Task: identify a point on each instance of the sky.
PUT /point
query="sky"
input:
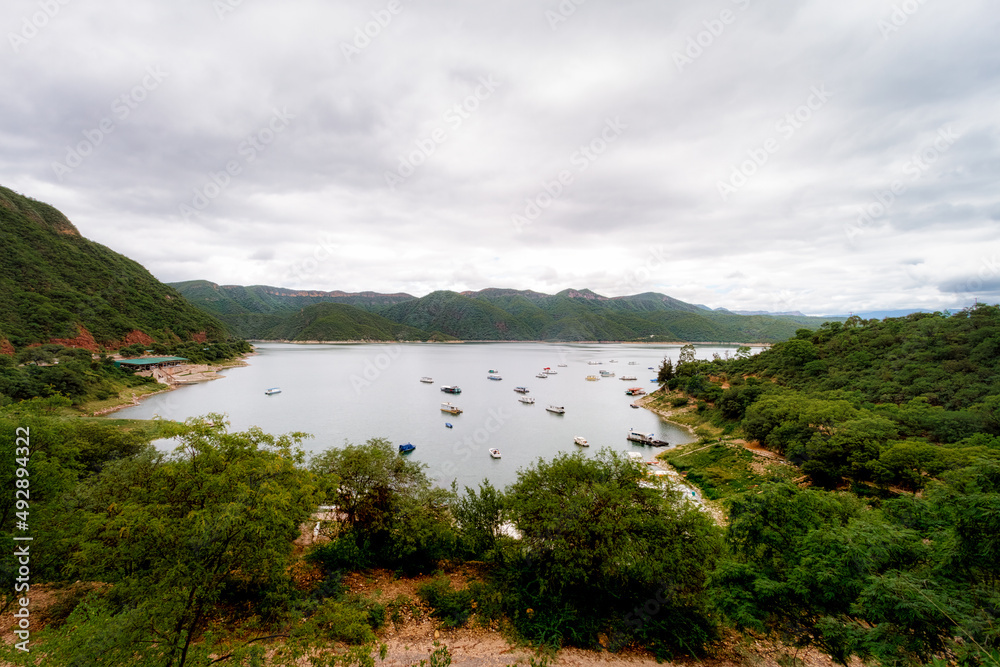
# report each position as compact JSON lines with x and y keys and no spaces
{"x":790,"y":155}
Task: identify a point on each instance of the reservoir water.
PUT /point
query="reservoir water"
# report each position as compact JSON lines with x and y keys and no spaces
{"x":340,"y":393}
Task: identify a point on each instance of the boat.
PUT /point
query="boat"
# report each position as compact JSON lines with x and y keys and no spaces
{"x":451,"y":389}
{"x":521,"y":390}
{"x":592,"y":378}
{"x":493,"y":370}
{"x":633,"y":405}
{"x":557,"y":409}
{"x":272,"y":391}
{"x":449,"y":408}
{"x":447,"y":424}
{"x":541,"y":375}
{"x":495,"y":453}
{"x":580,"y":440}
{"x":635,"y":391}
{"x":548,"y":371}
{"x":613,"y":361}
{"x":427,"y":380}
{"x":561,"y":365}
{"x":646,"y":439}
{"x":494,"y":377}
{"x":633,"y":363}
{"x":607,"y":374}
{"x":407,"y":448}
{"x":526,"y":400}
{"x":628,"y":377}
{"x":594,"y":363}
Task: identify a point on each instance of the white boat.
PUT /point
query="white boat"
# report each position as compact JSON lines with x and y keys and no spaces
{"x":527,"y":400}
{"x":607,"y":374}
{"x":628,"y":378}
{"x":495,"y":453}
{"x":594,"y":363}
{"x":548,"y":371}
{"x":561,"y":365}
{"x":427,"y":380}
{"x":558,"y":409}
{"x":582,"y":441}
{"x":494,"y":377}
{"x":272,"y":391}
{"x":541,"y":375}
{"x":451,"y":409}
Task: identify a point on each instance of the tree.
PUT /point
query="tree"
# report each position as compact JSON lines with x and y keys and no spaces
{"x":666,"y":371}
{"x":174,"y":535}
{"x":603,"y":552}
{"x":391,"y":511}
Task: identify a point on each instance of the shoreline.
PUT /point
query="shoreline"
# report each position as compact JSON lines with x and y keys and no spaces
{"x":543,"y":342}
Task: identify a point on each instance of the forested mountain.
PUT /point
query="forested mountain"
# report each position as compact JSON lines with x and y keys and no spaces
{"x":500,"y":314}
{"x":57,"y":286}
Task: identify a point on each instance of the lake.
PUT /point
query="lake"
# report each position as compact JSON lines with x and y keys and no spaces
{"x":340,"y":393}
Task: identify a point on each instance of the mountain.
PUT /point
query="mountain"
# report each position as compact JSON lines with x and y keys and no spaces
{"x":254,"y":312}
{"x":340,"y":321}
{"x":56,"y":286}
{"x":263,"y":313}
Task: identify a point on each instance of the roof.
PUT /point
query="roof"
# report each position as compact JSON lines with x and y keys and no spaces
{"x":146,"y":361}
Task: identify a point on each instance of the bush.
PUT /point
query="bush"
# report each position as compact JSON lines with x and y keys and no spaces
{"x":452,"y":607}
{"x":679,"y":401}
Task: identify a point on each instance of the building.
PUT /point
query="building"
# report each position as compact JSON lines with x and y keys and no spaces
{"x":146,"y":363}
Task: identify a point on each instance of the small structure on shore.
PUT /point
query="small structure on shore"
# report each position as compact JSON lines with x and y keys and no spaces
{"x":147,"y":363}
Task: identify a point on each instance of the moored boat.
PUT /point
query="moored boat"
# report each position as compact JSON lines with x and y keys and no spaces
{"x":592,"y":378}
{"x":407,"y":448}
{"x":521,"y":390}
{"x":427,"y":380}
{"x":494,"y":377}
{"x":635,"y":391}
{"x":628,"y":377}
{"x":272,"y":391}
{"x":495,"y":453}
{"x":451,"y":409}
{"x":541,"y":375}
{"x":447,"y":424}
{"x":582,"y":441}
{"x":557,"y":409}
{"x":451,"y":389}
{"x":526,"y":400}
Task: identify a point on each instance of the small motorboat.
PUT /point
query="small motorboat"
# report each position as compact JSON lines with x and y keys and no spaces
{"x":494,"y":377}
{"x":427,"y":380}
{"x":580,"y":440}
{"x":527,"y":400}
{"x":633,"y":405}
{"x":407,"y":448}
{"x":451,"y":389}
{"x":447,"y":424}
{"x":272,"y":391}
{"x":495,"y":453}
{"x":591,"y":378}
{"x":542,"y":376}
{"x":451,"y":409}
{"x":521,"y":390}
{"x":557,"y":409}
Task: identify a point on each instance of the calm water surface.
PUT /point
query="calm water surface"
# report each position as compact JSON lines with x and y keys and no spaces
{"x":350,"y":393}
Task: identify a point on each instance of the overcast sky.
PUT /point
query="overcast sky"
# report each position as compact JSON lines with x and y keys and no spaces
{"x":803,"y":155}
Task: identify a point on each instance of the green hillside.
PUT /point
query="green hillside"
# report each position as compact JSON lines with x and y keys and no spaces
{"x":339,"y":321}
{"x":499,"y":314}
{"x":53,"y":281}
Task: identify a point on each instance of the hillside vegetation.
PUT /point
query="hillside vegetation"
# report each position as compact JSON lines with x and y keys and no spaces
{"x":495,"y":314}
{"x":57,"y":285}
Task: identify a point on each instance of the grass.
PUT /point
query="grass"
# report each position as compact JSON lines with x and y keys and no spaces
{"x":721,"y":469}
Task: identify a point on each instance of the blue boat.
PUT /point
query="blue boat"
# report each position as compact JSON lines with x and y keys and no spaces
{"x":447,"y":424}
{"x":407,"y":448}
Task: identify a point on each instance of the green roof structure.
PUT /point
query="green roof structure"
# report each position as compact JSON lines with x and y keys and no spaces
{"x":147,"y":362}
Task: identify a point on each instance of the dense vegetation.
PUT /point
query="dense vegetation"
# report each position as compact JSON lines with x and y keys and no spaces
{"x":53,"y":281}
{"x":493,"y":314}
{"x":76,"y":375}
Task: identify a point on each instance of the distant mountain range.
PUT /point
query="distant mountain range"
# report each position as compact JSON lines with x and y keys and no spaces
{"x":58,"y":287}
{"x":262,"y":312}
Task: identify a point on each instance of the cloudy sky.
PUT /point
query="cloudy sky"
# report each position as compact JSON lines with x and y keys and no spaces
{"x":778,"y":155}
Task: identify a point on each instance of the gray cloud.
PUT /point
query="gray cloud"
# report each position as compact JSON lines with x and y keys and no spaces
{"x":765,"y":195}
